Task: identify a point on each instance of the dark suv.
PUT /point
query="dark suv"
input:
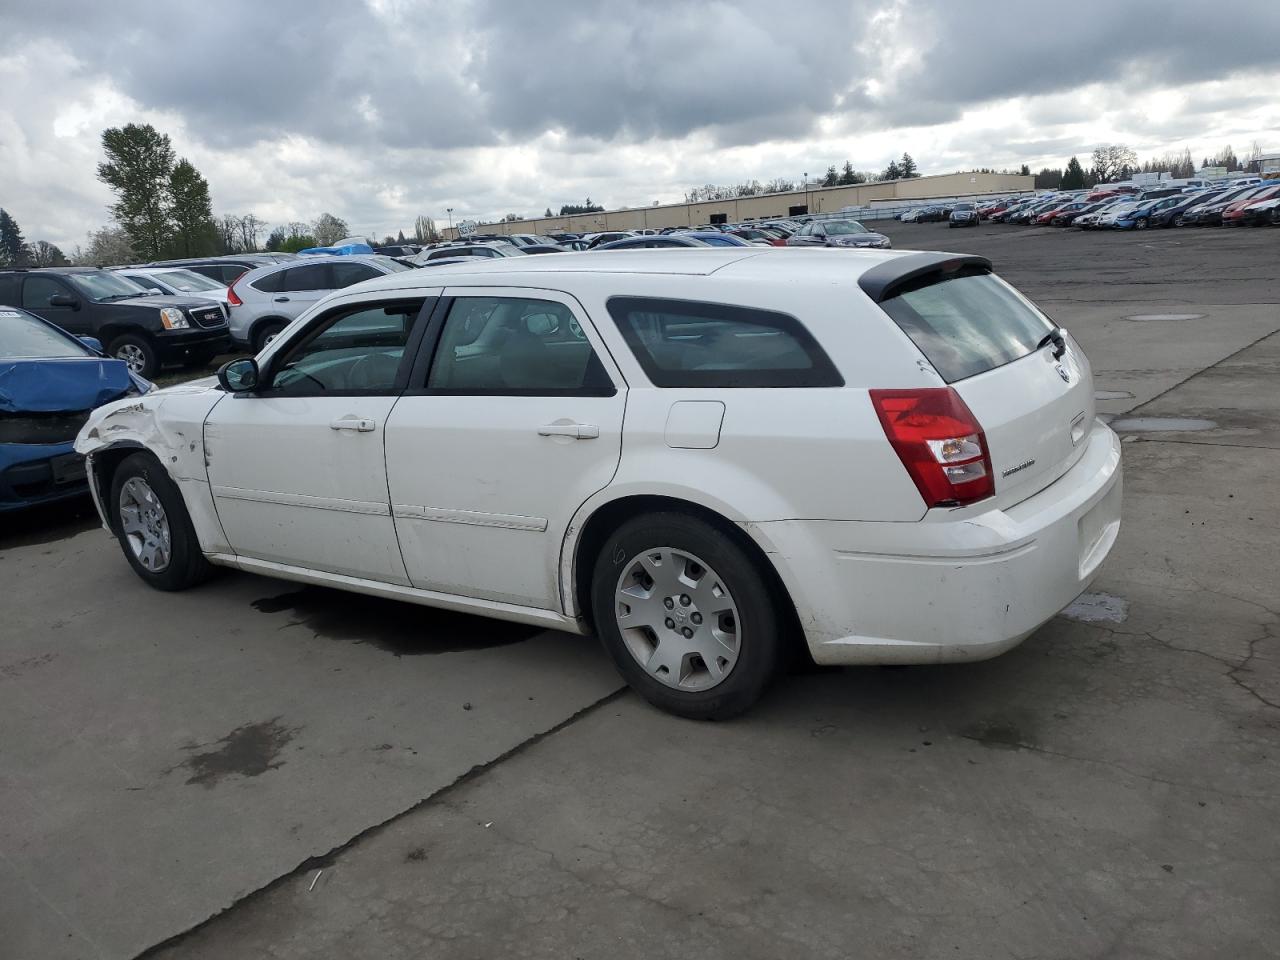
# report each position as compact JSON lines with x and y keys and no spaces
{"x":144,"y":330}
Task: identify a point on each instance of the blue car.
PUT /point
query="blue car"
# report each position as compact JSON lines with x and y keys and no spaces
{"x":49,"y":383}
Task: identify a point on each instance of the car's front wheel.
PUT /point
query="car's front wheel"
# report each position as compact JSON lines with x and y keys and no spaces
{"x":691,"y":621}
{"x":152,"y":524}
{"x":137,"y":351}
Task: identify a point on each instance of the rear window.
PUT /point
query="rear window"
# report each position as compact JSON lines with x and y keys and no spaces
{"x":968,"y":324}
{"x":686,"y":343}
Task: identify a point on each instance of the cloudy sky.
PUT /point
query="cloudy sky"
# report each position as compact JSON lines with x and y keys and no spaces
{"x":381,"y":110}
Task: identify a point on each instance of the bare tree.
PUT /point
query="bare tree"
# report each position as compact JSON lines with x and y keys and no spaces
{"x":1253,"y":159}
{"x":107,"y":247}
{"x":424,"y":230}
{"x":45,"y":254}
{"x":1111,"y":160}
{"x":247,"y":233}
{"x":329,"y":229}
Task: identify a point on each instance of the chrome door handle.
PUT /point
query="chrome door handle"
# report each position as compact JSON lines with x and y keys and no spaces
{"x":578,"y":431}
{"x":353,"y":423}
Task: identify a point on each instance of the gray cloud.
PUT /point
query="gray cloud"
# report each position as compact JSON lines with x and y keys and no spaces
{"x":384,"y":109}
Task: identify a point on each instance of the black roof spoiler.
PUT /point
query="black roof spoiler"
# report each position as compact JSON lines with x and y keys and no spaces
{"x":885,"y":279}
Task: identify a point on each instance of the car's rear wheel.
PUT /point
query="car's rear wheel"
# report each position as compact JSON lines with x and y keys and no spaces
{"x":265,"y":333}
{"x":153,"y":526}
{"x":691,"y":621}
{"x":137,"y":351}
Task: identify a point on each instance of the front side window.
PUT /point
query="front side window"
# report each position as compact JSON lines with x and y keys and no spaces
{"x":688,"y":343}
{"x":514,"y":346}
{"x":968,"y":324}
{"x":37,"y":290}
{"x":356,"y":350}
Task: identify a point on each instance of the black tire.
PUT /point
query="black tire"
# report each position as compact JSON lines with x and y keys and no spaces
{"x":138,"y":351}
{"x":187,"y":566}
{"x":266,"y":331}
{"x":760,"y":624}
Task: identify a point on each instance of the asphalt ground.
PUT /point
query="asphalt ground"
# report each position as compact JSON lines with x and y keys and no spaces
{"x":257,"y":769}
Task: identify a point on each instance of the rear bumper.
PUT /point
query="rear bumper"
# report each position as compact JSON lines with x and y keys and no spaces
{"x":950,"y":590}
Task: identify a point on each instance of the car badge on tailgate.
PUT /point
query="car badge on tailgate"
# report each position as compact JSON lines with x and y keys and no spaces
{"x":1064,"y":374}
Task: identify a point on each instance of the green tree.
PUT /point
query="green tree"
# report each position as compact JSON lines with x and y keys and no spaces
{"x":832,"y":178}
{"x":1025,"y":171}
{"x":850,"y":176}
{"x":892,"y":171}
{"x":588,"y":207}
{"x":299,"y":241}
{"x":276,"y":239}
{"x":1073,"y":177}
{"x":400,"y":236}
{"x":548,"y":213}
{"x":191,"y":211}
{"x":13,"y":249}
{"x":1049,"y":178}
{"x":139,"y":164}
{"x":907,"y":167}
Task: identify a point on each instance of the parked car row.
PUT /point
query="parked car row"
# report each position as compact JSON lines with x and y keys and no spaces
{"x":1256,"y":203}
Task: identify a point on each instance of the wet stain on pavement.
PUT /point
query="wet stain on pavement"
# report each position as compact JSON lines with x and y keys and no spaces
{"x":247,"y":751}
{"x":1000,"y":733}
{"x":402,"y":629}
{"x":49,"y":523}
{"x":1160,"y":424}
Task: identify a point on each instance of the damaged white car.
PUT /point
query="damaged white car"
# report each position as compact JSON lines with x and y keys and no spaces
{"x":709,"y":458}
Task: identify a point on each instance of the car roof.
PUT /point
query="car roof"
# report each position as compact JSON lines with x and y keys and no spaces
{"x":50,"y":269}
{"x":265,"y":269}
{"x":755,"y":262}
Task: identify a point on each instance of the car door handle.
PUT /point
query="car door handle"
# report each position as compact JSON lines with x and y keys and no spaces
{"x":358,"y":424}
{"x":282,"y":299}
{"x":578,"y":431}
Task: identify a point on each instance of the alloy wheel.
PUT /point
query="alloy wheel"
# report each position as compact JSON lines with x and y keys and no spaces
{"x":133,"y":357}
{"x":677,"y":619}
{"x":145,"y":525}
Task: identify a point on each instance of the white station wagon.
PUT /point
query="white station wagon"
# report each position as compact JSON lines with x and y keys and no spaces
{"x":711,"y":459}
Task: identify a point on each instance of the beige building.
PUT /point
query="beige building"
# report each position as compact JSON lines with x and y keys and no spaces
{"x":795,"y":203}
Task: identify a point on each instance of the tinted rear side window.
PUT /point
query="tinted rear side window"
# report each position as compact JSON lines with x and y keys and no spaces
{"x":314,"y":276}
{"x":969,"y":324}
{"x":688,"y":343}
{"x":271,"y":283}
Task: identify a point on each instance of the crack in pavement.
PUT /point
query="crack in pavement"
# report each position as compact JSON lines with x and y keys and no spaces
{"x":324,"y":859}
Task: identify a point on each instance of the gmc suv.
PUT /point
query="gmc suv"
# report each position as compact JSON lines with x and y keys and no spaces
{"x":144,"y":330}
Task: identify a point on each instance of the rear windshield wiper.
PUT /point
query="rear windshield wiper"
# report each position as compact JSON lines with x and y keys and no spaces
{"x":1055,"y":337}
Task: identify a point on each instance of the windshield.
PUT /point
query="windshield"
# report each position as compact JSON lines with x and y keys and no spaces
{"x":101,"y":285}
{"x":963,"y":206}
{"x":838,"y":228}
{"x":188,"y":281}
{"x":22,"y":335}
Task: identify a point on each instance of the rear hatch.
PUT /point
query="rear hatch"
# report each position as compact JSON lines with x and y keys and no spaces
{"x":1027,"y":382}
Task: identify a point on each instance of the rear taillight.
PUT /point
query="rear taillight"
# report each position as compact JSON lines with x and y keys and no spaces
{"x":939,"y":441}
{"x":232,"y":298}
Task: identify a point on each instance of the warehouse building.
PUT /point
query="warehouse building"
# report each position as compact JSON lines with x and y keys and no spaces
{"x":813,"y":200}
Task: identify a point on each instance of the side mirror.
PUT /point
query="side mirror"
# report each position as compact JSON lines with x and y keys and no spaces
{"x":93,"y":343}
{"x":64,"y":300}
{"x":239,"y":376}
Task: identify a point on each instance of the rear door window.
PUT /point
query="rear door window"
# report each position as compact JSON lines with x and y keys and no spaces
{"x":271,"y":283}
{"x":314,"y":276}
{"x":687,"y":343}
{"x":968,"y":325}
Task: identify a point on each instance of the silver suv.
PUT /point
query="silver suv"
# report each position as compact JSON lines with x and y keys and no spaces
{"x":263,"y":301}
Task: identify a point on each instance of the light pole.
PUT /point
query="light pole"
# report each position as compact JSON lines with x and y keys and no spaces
{"x":449,"y":211}
{"x":804,"y":185}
